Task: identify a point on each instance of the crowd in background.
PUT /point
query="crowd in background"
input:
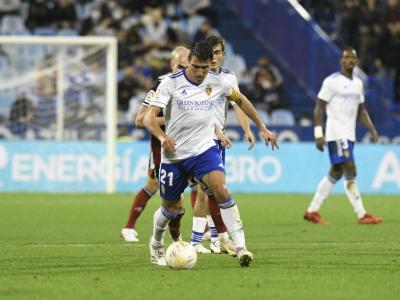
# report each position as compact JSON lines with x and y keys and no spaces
{"x":372,"y":27}
{"x":147,"y":30}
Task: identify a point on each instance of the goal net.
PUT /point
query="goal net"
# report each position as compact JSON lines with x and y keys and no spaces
{"x":60,"y":88}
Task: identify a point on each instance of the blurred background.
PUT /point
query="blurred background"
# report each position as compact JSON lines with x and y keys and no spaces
{"x":279,"y":50}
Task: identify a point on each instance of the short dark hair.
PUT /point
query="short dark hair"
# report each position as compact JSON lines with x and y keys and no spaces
{"x":214,"y":40}
{"x":202,"y":50}
{"x":349,"y":48}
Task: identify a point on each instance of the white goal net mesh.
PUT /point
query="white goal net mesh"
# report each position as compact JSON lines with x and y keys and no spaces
{"x":53,"y":92}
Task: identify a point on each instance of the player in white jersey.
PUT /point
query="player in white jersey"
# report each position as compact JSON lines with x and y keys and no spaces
{"x":188,"y":144}
{"x":220,"y":241}
{"x":341,"y":96}
{"x":179,"y":60}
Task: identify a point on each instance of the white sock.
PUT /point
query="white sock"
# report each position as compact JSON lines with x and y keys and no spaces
{"x":350,"y":186}
{"x":198,"y":227}
{"x":161,"y":218}
{"x":223,"y":236}
{"x":231,"y":217}
{"x":212,"y":228}
{"x":323,"y":190}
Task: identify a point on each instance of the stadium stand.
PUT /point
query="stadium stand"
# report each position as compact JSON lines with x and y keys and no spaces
{"x":148,"y":30}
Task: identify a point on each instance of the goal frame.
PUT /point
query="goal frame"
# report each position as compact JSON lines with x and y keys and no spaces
{"x":110,"y":43}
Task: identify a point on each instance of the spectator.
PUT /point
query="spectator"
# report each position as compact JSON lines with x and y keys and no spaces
{"x":39,"y":14}
{"x":64,"y":13}
{"x":21,"y":116}
{"x":348,"y":23}
{"x":126,"y":89}
{"x":205,"y":31}
{"x":155,"y":29}
{"x":370,"y":34}
{"x":265,"y":91}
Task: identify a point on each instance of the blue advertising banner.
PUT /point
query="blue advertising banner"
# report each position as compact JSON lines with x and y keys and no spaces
{"x":294,"y":168}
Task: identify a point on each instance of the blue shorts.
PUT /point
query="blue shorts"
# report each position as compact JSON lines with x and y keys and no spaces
{"x":221,"y":150}
{"x":340,"y":151}
{"x":174,"y":177}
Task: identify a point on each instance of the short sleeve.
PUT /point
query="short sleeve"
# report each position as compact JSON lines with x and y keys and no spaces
{"x":327,"y":91}
{"x":163,"y":94}
{"x":227,"y":87}
{"x":362,"y":97}
{"x":150,"y":95}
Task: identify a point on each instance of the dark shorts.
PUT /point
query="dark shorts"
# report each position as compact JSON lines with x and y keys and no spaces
{"x":341,"y":151}
{"x":174,"y":176}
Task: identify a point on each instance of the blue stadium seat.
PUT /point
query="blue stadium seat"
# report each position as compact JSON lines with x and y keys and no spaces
{"x":282,"y":117}
{"x":44,"y":31}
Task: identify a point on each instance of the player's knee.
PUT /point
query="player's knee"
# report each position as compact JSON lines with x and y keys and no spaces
{"x":152,"y":187}
{"x":220,"y":191}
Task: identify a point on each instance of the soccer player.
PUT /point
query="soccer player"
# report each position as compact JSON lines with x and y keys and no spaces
{"x":179,"y":60}
{"x":188,"y":146}
{"x":219,"y":236}
{"x":341,"y":96}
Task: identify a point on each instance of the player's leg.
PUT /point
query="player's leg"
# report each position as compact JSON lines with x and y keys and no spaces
{"x":172,"y":184}
{"x":225,"y":243}
{"x":324,"y":189}
{"x":175,"y":224}
{"x":129,"y":233}
{"x":354,"y":196}
{"x":199,"y":223}
{"x":337,"y":155}
{"x":230,"y":214}
{"x":193,"y":193}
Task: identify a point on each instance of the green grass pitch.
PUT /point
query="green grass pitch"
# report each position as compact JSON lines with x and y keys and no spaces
{"x":68,"y":247}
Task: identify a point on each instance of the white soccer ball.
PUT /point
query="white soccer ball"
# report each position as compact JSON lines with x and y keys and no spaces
{"x":181,"y":255}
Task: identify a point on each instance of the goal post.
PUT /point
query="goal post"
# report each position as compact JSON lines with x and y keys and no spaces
{"x":84,"y":49}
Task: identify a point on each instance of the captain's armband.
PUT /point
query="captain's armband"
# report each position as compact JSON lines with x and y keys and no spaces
{"x":235,"y":96}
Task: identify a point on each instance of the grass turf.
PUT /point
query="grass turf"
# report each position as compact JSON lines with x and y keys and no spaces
{"x":68,"y":247}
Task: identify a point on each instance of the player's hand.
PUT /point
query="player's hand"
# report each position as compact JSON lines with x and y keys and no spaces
{"x":250,"y":138}
{"x":374,"y":135}
{"x":319,"y":143}
{"x":225,"y":141}
{"x":168,"y":144}
{"x":269,"y":137}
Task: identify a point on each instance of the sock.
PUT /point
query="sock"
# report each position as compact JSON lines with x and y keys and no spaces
{"x":231,"y":216}
{"x":161,"y":218}
{"x":350,"y":186}
{"x":175,"y":226}
{"x":193,"y":195}
{"x":324,"y":189}
{"x":223,"y":236}
{"x":213,"y":230}
{"x":138,"y":205}
{"x":199,"y":224}
{"x":215,"y":213}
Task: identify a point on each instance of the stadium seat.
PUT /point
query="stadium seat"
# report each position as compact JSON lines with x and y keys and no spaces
{"x":44,"y":31}
{"x":282,"y":117}
{"x":11,"y":24}
{"x":68,"y":32}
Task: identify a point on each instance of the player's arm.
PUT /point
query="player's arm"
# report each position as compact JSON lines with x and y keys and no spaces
{"x":150,"y":122}
{"x":225,"y":141}
{"x":248,"y":108}
{"x":364,"y":118}
{"x":140,"y":118}
{"x":244,"y":123}
{"x":318,"y":119}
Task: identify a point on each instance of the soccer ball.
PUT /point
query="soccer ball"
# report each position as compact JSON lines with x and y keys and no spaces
{"x":181,"y":255}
